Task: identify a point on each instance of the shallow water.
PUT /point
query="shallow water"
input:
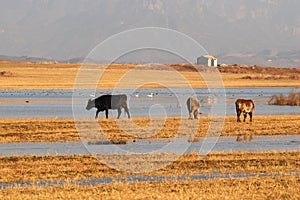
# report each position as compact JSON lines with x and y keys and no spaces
{"x":142,"y":178}
{"x":223,"y":144}
{"x":165,"y":102}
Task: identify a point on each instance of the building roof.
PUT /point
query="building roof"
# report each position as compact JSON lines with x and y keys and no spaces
{"x":210,"y":57}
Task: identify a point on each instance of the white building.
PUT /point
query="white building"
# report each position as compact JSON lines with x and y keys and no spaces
{"x":207,"y":60}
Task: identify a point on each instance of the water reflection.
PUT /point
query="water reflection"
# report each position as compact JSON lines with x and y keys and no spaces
{"x":244,"y":138}
{"x":224,"y":144}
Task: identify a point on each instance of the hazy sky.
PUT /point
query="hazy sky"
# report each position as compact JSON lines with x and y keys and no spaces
{"x":63,"y":29}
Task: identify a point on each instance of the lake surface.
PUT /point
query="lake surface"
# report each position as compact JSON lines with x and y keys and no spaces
{"x":142,"y":102}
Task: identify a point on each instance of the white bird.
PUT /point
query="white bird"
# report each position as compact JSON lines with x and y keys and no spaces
{"x":92,"y":95}
{"x":137,"y":95}
{"x":150,"y":95}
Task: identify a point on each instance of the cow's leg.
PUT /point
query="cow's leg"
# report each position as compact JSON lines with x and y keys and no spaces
{"x":119,"y":112}
{"x":196,"y":114}
{"x":191,"y":115}
{"x":127,"y":111}
{"x":245,"y":116}
{"x":250,"y":113}
{"x":97,"y":112}
{"x":106,"y":113}
{"x":238,"y":113}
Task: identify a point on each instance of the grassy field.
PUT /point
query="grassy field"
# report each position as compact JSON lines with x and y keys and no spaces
{"x":23,"y":75}
{"x":50,"y":130}
{"x":34,"y":168}
{"x":245,"y":188}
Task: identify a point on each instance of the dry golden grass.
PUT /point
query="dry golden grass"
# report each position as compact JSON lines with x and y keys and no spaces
{"x":34,"y":168}
{"x":20,"y":130}
{"x":50,"y":130}
{"x":286,"y":187}
{"x":37,"y":76}
{"x":23,"y":75}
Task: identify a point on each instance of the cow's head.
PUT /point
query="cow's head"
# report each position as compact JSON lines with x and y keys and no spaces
{"x":90,"y":104}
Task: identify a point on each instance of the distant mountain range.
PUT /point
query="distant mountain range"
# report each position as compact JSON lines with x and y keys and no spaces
{"x":37,"y":59}
{"x":263,"y":58}
{"x":24,"y":59}
{"x":236,"y":31}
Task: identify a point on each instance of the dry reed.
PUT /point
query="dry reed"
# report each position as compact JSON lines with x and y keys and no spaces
{"x":293,"y":99}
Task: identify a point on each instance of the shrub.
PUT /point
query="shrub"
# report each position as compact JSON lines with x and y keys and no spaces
{"x":293,"y":99}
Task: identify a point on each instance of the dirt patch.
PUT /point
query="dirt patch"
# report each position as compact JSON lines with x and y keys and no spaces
{"x":271,"y":77}
{"x":177,"y":67}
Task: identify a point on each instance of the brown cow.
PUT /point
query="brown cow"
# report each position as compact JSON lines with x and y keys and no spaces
{"x":245,"y":106}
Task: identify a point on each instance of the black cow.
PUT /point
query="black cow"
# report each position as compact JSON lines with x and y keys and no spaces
{"x":245,"y":106}
{"x":106,"y":102}
{"x":193,"y":106}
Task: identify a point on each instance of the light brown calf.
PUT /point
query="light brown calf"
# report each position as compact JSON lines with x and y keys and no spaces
{"x":245,"y":106}
{"x":193,"y":106}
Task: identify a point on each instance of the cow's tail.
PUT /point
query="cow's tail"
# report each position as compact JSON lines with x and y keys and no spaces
{"x":124,"y":100}
{"x":237,"y":105}
{"x":188,"y":103}
{"x":125,"y":97}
